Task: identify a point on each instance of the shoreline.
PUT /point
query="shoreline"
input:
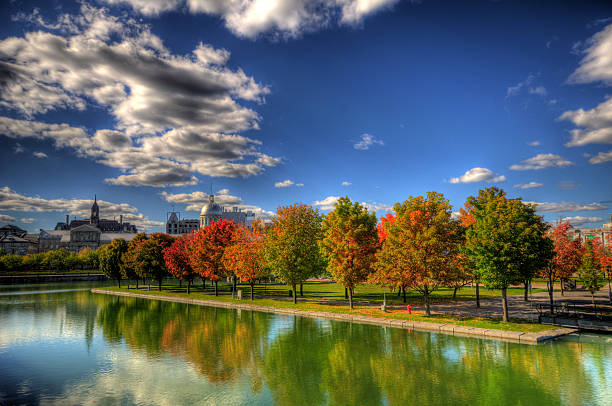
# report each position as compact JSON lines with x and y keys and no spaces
{"x":50,"y":278}
{"x":451,"y":329}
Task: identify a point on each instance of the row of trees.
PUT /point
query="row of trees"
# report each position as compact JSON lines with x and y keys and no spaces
{"x":495,"y":241}
{"x":56,"y":260}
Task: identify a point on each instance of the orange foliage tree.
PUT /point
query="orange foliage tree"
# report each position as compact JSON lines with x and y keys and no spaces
{"x":207,"y":247}
{"x":177,"y":261}
{"x":350,"y":242}
{"x":421,"y":249}
{"x":245,"y":258}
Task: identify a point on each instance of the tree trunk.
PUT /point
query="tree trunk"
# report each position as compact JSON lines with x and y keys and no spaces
{"x":160,"y":283}
{"x":119,"y":282}
{"x":252,"y":294}
{"x":427,"y":308}
{"x":188,"y":286}
{"x":136,"y":283}
{"x":301,"y":289}
{"x":346,"y":293}
{"x":561,"y":283}
{"x":404,"y":294}
{"x":593,"y":298}
{"x":551,"y":285}
{"x":504,"y":304}
{"x":234,"y":283}
{"x":294,"y":294}
{"x":203,"y":283}
{"x":180,"y":283}
{"x":350,"y":298}
{"x":477,"y":294}
{"x":455,"y":293}
{"x":526,"y":298}
{"x":216,"y":289}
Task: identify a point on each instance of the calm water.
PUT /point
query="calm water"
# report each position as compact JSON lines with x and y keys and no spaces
{"x":64,"y":345}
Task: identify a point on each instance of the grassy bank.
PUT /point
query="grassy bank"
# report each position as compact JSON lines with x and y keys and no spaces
{"x":372,"y":311}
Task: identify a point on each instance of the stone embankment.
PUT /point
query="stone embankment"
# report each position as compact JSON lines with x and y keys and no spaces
{"x":514,"y":336}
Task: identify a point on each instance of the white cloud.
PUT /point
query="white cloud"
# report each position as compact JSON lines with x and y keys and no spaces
{"x":175,"y":114}
{"x":379,"y":208}
{"x":327,"y":203}
{"x":579,"y":220}
{"x":287,"y":183}
{"x":196,"y":200}
{"x":10,"y":200}
{"x":534,"y":143}
{"x":529,"y":185}
{"x":596,"y":66}
{"x":538,"y":90}
{"x":596,"y":125}
{"x":541,"y":161}
{"x":5,"y":218}
{"x":559,"y":207}
{"x":366,"y":142}
{"x":285,"y":18}
{"x":478,"y":175}
{"x":601,"y":157}
{"x":345,"y":183}
{"x":18,"y":148}
{"x":39,"y":154}
{"x":27,"y":220}
{"x":567,"y":185}
{"x":516,"y":89}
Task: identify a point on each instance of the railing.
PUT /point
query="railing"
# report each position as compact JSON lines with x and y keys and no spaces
{"x":575,"y":311}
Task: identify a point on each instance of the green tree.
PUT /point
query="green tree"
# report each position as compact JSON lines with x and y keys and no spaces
{"x":505,"y":240}
{"x":57,"y":260}
{"x":590,"y":271}
{"x":110,"y":259}
{"x":291,"y":246}
{"x":11,"y":263}
{"x":149,"y":256}
{"x":350,"y":243}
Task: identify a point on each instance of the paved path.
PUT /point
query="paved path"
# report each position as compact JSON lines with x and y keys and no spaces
{"x":517,"y":307}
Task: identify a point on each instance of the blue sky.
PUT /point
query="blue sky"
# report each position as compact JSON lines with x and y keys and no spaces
{"x":150,"y":104}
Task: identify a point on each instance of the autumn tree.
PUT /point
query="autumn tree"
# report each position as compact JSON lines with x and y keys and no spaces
{"x":291,"y":246}
{"x":566,"y":260}
{"x":109,"y":259}
{"x":207,"y":247}
{"x":504,"y":232}
{"x":176,"y":257}
{"x":350,"y":242}
{"x":130,"y":260}
{"x":245,"y":257}
{"x":422,"y":245}
{"x":590,"y":271}
{"x":149,"y":257}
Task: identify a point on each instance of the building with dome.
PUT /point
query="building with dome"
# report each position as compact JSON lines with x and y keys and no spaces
{"x":210,"y":213}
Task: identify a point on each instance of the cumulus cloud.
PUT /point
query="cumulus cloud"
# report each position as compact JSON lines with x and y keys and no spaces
{"x":366,"y":142}
{"x":529,"y":185}
{"x":284,"y":18}
{"x":40,"y":155}
{"x":196,"y":200}
{"x":596,"y":65}
{"x":345,"y":183}
{"x":559,"y":207}
{"x":580,"y":220}
{"x":534,"y":143}
{"x":595,"y":125}
{"x":175,"y":114}
{"x":287,"y":183}
{"x":601,"y":157}
{"x":327,"y":203}
{"x":27,"y":220}
{"x":5,"y":218}
{"x":541,"y":161}
{"x":11,"y":200}
{"x":478,"y":175}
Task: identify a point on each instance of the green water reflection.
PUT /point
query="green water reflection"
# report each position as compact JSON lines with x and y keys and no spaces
{"x":80,"y":348}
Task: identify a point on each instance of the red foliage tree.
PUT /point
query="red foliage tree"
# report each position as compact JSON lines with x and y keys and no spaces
{"x":245,"y":258}
{"x":207,"y":247}
{"x":176,"y":257}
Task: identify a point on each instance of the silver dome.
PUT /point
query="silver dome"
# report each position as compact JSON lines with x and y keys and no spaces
{"x":211,"y":208}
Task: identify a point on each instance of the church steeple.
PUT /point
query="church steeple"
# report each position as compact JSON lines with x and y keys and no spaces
{"x":94,"y":218}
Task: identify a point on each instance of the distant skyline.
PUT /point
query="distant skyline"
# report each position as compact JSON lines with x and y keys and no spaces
{"x":151,"y":104}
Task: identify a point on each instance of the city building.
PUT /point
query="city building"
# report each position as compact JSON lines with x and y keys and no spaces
{"x":17,"y":241}
{"x":210,"y":213}
{"x":104,"y":225}
{"x":604,"y":233}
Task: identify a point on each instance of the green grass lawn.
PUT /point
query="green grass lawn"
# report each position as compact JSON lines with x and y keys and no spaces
{"x":365,"y":293}
{"x":333,"y":291}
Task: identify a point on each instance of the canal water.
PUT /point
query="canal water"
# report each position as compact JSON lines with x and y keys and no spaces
{"x":61,"y":344}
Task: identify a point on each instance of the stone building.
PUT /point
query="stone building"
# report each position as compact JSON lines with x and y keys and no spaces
{"x":210,"y":213}
{"x":17,"y":241}
{"x":105,"y":225}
